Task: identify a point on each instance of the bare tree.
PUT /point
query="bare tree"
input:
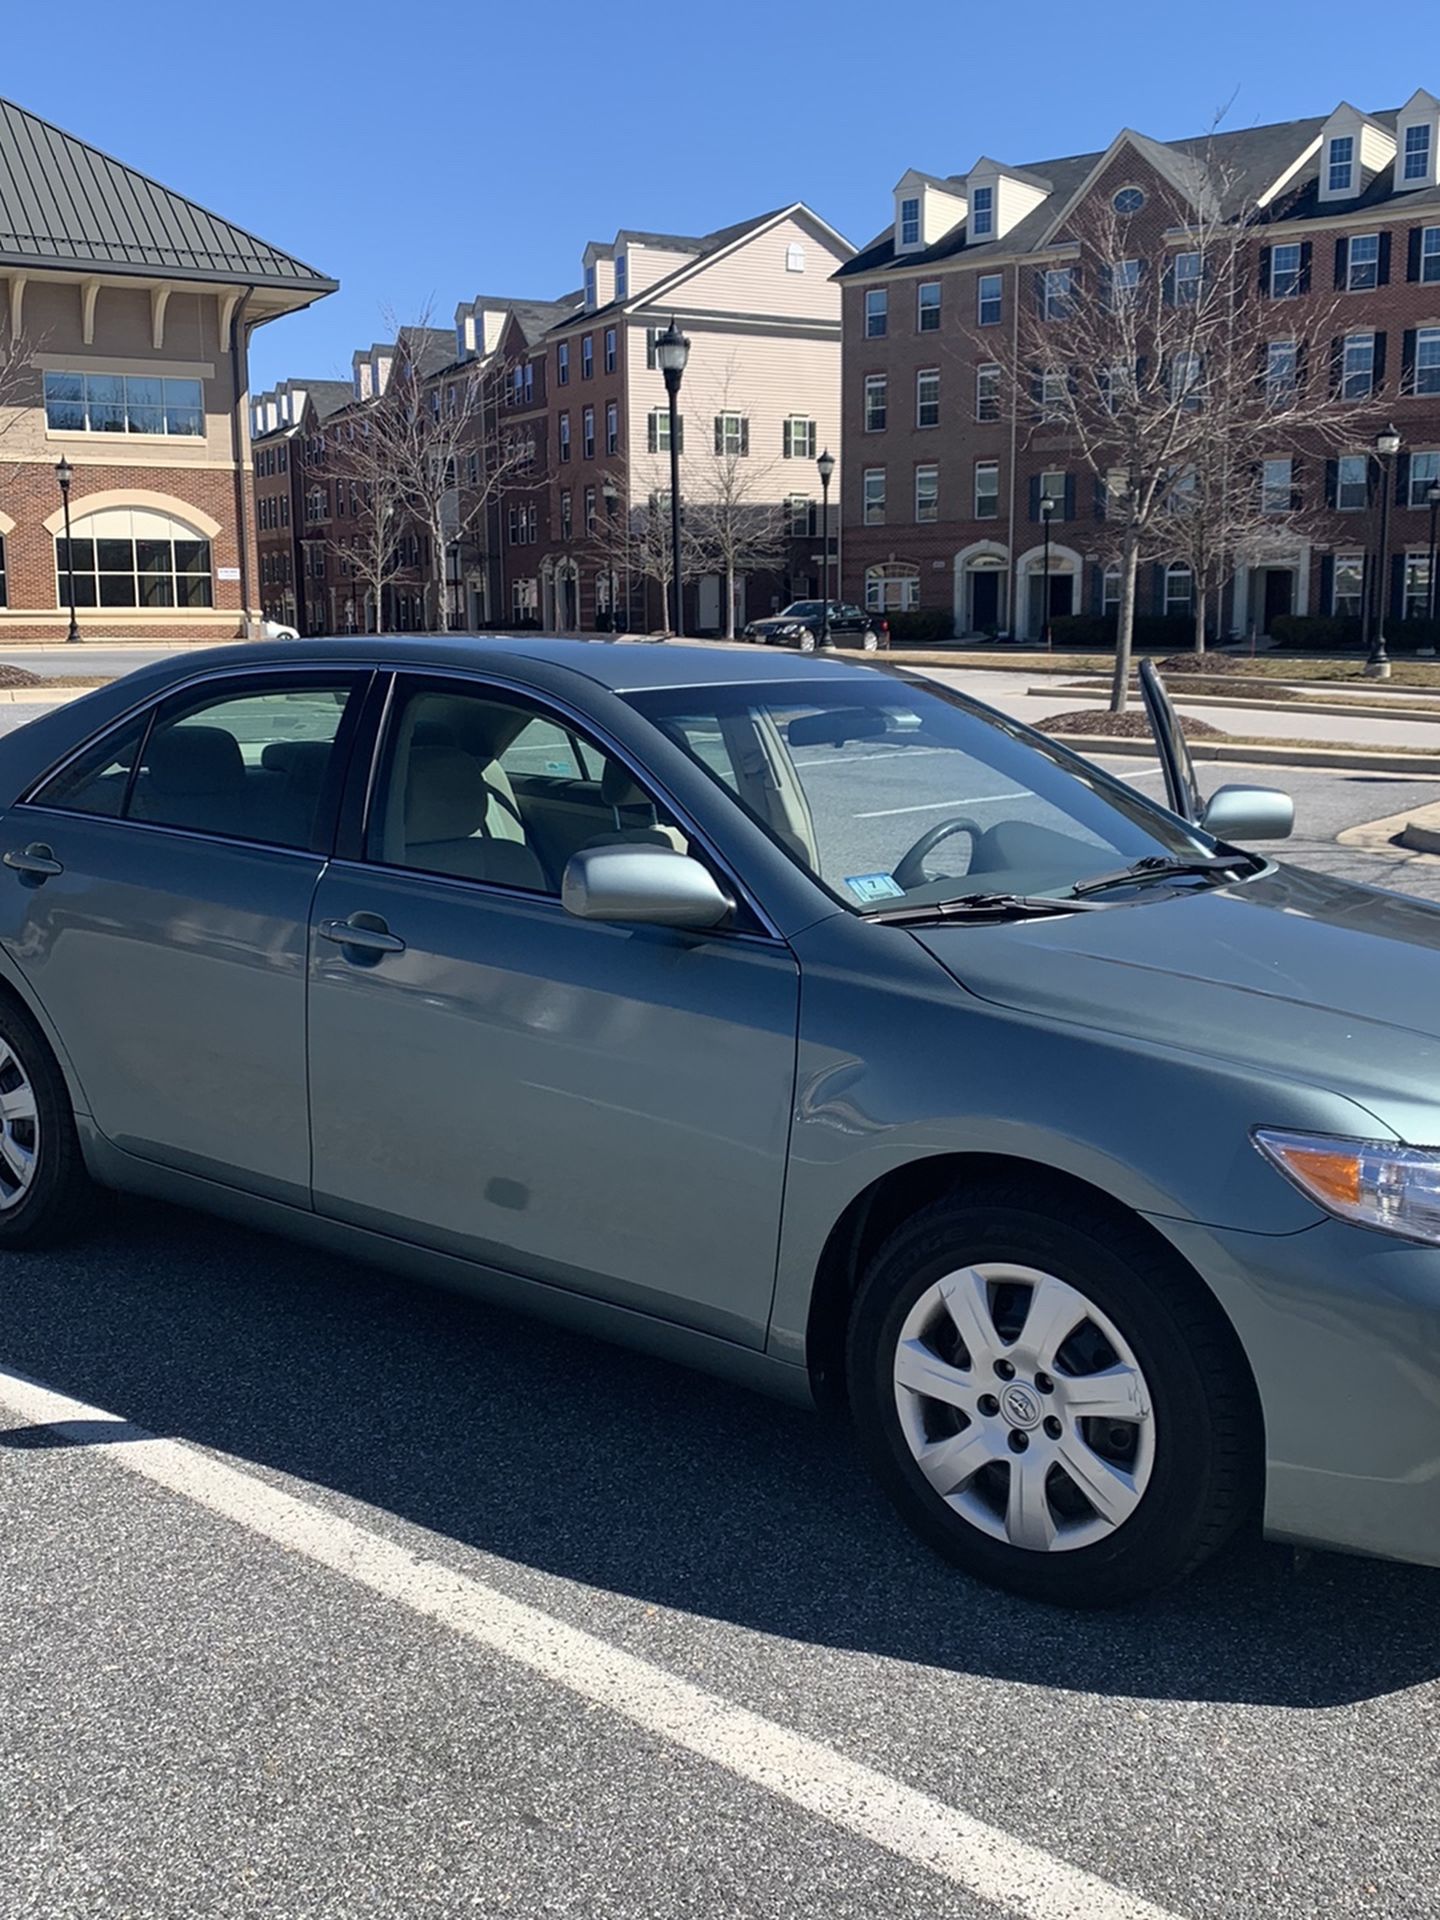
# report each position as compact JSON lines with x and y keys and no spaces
{"x":634,"y":541}
{"x":370,"y":469}
{"x":1171,"y":387}
{"x":738,"y":518}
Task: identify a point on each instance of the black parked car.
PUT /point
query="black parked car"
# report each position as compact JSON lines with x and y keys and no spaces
{"x":802,"y":622}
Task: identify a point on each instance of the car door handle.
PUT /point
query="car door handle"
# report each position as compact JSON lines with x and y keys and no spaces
{"x":35,"y":862}
{"x":369,"y":935}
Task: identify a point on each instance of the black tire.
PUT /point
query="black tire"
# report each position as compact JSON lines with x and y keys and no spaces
{"x":1205,"y":1472}
{"x":59,"y":1201}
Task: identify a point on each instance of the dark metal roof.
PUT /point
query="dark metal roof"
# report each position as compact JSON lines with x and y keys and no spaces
{"x":64,"y":203}
{"x":1234,"y":168}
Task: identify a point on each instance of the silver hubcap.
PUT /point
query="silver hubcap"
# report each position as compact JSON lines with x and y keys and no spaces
{"x":19,"y":1130}
{"x":1024,"y":1408}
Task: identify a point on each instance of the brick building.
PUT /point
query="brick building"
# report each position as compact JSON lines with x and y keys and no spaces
{"x":946,"y":468}
{"x":286,"y":423}
{"x":128,"y":313}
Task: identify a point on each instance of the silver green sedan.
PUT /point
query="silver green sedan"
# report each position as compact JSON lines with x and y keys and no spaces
{"x":791,"y":1018}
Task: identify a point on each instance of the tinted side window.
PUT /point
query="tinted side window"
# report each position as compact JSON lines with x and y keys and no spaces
{"x":248,"y":765}
{"x":97,"y":780}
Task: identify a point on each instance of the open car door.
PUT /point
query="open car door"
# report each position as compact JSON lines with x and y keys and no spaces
{"x":1182,"y":789}
{"x":1232,"y":813}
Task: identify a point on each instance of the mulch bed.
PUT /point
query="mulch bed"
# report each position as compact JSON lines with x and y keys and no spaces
{"x":18,"y":677}
{"x":1121,"y":726}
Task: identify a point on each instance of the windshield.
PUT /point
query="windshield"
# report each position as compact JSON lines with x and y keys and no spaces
{"x":892,"y":791}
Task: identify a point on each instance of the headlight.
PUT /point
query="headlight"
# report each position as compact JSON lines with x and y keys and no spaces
{"x":1371,"y":1183}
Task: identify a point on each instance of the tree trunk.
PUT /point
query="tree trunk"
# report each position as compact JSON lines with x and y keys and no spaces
{"x":1198,"y":600}
{"x":730,"y":600}
{"x":1125,"y":624}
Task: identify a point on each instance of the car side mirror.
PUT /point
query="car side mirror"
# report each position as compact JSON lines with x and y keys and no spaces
{"x":651,"y":886}
{"x":1249,"y":813}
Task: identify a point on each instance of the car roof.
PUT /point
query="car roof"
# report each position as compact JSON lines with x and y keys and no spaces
{"x":625,"y":666}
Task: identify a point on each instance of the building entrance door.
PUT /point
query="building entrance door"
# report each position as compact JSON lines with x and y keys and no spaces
{"x":1279,"y":594}
{"x":985,"y":600}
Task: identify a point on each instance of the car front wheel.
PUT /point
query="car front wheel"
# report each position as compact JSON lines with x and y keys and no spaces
{"x":1050,"y":1403}
{"x":806,"y":641}
{"x":45,"y":1193}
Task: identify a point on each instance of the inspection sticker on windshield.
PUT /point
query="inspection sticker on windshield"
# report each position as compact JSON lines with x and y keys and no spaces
{"x":874,"y":886}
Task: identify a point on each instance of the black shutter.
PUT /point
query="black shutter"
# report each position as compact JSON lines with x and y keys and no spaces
{"x":1327,"y":582}
{"x":1168,"y":282}
{"x":1302,"y":365}
{"x":719,"y":434}
{"x":1035,"y":496}
{"x":652,"y":434}
{"x":786,"y":446}
{"x":1069,"y":496}
{"x":1264,"y":271}
{"x":680,"y":433}
{"x":1396,"y":608}
{"x":1337,"y":361}
{"x":1407,"y":360}
{"x":1382,"y":270}
{"x":1412,"y":253}
{"x":1377,"y":379}
{"x":745,"y":431}
{"x":1402,"y":479}
{"x":1342,"y":262}
{"x":1305,"y":252}
{"x":1107,"y":289}
{"x":1332,"y":482}
{"x":1101,"y":495}
{"x":1297,"y":500}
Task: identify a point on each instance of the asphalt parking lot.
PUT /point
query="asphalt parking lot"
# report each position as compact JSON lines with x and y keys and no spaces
{"x":330,"y":1595}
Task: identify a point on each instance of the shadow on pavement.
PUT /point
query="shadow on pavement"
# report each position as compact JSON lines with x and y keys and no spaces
{"x":604,"y":1467}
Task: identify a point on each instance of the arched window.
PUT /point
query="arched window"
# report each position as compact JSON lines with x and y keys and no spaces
{"x":795,"y":257}
{"x":1179,"y":590}
{"x":892,"y":588}
{"x":133,"y":557}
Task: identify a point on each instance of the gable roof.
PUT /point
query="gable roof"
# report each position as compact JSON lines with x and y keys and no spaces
{"x":699,"y":252}
{"x":1235,"y":167}
{"x":64,"y":203}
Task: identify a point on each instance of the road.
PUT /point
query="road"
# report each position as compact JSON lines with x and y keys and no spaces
{"x":338,"y":1597}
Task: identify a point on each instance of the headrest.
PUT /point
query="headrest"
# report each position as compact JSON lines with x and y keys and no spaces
{"x":303,"y":762}
{"x":187,"y":759}
{"x":445,"y":796}
{"x":618,"y":787}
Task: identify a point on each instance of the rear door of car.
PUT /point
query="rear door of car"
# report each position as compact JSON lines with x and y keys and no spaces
{"x":155,"y":893}
{"x":603,"y":1108}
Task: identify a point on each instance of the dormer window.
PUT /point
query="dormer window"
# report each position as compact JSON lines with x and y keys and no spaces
{"x":622,"y":276}
{"x":1341,"y":163}
{"x":590,"y":287}
{"x":795,"y":257}
{"x":910,"y":222}
{"x":1419,"y":142}
{"x":982,"y":213}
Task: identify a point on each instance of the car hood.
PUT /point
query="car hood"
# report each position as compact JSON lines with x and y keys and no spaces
{"x":1293,"y":973}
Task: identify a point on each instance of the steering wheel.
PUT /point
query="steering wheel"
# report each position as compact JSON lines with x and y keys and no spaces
{"x":909,"y":870}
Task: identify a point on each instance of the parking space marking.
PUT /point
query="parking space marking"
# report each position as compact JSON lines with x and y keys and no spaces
{"x":996,"y":1867}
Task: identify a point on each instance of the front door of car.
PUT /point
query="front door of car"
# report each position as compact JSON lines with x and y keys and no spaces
{"x":155,"y":893}
{"x":599,"y":1107}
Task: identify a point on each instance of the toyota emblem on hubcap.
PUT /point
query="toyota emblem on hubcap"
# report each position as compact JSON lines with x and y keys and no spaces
{"x":1020,"y":1406}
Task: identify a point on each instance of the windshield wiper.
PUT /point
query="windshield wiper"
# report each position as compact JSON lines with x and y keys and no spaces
{"x":1158,"y":866}
{"x":985,"y":906}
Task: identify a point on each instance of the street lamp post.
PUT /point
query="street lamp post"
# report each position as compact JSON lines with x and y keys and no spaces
{"x":1387,"y":445}
{"x":1047,"y":507}
{"x":64,"y":473}
{"x":1432,"y":500}
{"x":826,"y":466}
{"x":672,"y":350}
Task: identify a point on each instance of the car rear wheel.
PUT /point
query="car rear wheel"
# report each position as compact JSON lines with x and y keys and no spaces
{"x":870,"y":641}
{"x":1048,"y":1401}
{"x":46,"y":1195}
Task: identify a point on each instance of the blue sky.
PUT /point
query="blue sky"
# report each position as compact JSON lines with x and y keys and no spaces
{"x":423,"y":153}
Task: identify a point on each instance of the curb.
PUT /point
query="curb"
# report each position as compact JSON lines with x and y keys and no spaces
{"x":1332,"y":709}
{"x":44,"y":696}
{"x":1420,"y":839}
{"x":1263,"y":755}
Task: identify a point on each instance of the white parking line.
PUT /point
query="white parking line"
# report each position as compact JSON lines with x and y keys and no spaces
{"x":992,"y":1865}
{"x":934,"y":806}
